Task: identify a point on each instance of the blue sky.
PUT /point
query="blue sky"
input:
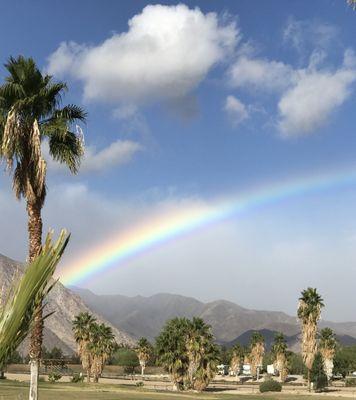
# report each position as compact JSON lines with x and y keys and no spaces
{"x":247,"y":93}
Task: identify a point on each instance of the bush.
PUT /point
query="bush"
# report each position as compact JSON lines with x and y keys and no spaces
{"x":317,"y":374}
{"x":77,"y":378}
{"x":139,"y":384}
{"x":270,"y":386}
{"x":350,"y":382}
{"x":54,"y":377}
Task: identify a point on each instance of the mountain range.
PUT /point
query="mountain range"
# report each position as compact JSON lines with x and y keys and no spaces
{"x":134,"y":317}
{"x":65,"y":304}
{"x":145,"y":316}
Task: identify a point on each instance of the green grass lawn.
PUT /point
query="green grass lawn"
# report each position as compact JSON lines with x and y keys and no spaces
{"x":19,"y":391}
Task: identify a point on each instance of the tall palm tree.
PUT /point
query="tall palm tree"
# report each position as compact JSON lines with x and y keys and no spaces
{"x":279,"y":351}
{"x":257,"y":351}
{"x":202,"y":355}
{"x":172,"y":352}
{"x":237,"y":359}
{"x":327,"y":348}
{"x":144,"y":351}
{"x":82,"y":326}
{"x":30,"y":111}
{"x":101,"y":346}
{"x":309,"y":312}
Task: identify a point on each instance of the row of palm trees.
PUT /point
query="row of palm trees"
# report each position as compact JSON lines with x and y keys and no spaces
{"x":30,"y":113}
{"x":309,"y":313}
{"x":96,"y":343}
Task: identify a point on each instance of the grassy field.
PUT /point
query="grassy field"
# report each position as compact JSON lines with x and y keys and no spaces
{"x":19,"y":391}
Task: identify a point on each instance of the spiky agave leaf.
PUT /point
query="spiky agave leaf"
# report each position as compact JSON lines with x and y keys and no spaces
{"x":27,"y":294}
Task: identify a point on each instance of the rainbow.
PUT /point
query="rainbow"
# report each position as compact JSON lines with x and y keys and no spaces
{"x":170,"y":225}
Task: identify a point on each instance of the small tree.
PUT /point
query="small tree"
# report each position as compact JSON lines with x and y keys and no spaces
{"x":309,"y":311}
{"x":144,"y":351}
{"x":81,"y":328}
{"x":257,"y":350}
{"x":317,"y":374}
{"x":279,"y":351}
{"x":237,"y":358}
{"x":327,"y":348}
{"x":101,"y":346}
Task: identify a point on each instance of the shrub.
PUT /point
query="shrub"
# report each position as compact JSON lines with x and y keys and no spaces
{"x":270,"y":386}
{"x":350,"y":382}
{"x":54,"y":377}
{"x":317,"y":374}
{"x":139,"y":384}
{"x":77,"y":378}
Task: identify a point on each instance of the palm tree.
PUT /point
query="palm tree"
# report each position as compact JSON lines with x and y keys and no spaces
{"x":30,"y":111}
{"x":309,"y":311}
{"x":202,"y":355}
{"x":327,"y":348}
{"x":257,"y":350}
{"x":171,"y":350}
{"x":82,"y":325}
{"x":279,"y":351}
{"x":26,"y":294}
{"x":101,"y":346}
{"x":144,"y":351}
{"x":237,"y":358}
{"x":187,"y":350}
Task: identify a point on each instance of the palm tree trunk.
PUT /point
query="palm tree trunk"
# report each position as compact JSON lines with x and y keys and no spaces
{"x":35,"y":244}
{"x":88,"y":375}
{"x":309,"y":386}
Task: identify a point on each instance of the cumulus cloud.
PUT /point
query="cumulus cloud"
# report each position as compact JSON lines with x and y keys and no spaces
{"x":236,"y":110}
{"x":306,"y":96}
{"x":317,"y":93}
{"x":117,"y":153}
{"x":166,"y":52}
{"x":260,"y":74}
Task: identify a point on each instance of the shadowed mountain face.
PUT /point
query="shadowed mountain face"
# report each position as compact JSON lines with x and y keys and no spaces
{"x":65,"y":304}
{"x":145,"y":316}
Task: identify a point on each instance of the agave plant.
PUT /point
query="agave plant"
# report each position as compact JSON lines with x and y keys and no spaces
{"x":27,"y":294}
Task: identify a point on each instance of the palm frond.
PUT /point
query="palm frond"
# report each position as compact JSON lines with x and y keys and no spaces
{"x":27,"y":295}
{"x":66,"y":147}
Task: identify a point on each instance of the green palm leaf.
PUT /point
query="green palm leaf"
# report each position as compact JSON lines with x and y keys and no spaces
{"x":26,"y":294}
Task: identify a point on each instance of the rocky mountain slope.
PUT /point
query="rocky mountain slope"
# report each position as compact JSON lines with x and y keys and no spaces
{"x":65,"y":303}
{"x":145,"y":316}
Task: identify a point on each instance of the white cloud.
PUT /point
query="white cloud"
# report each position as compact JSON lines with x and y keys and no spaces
{"x":166,"y":52}
{"x":260,"y":74}
{"x":307,"y":97}
{"x":308,"y":105}
{"x":304,"y":35}
{"x":117,"y":153}
{"x":114,"y":155}
{"x":236,"y":110}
